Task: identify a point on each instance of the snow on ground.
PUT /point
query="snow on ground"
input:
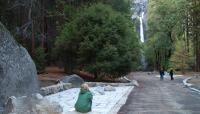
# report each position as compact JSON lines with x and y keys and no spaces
{"x":102,"y":104}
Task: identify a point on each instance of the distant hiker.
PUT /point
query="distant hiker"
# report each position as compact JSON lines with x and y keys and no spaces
{"x":162,"y":73}
{"x":171,"y":73}
{"x":84,"y":102}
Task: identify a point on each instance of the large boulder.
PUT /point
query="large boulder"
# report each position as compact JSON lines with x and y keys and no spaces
{"x":74,"y":79}
{"x":18,"y":75}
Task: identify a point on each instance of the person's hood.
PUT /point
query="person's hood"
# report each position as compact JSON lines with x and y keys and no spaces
{"x":83,"y":91}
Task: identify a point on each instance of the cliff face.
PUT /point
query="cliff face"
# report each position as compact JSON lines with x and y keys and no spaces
{"x":18,"y":75}
{"x":139,"y":7}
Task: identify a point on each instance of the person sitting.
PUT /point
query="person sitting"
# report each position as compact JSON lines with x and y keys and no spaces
{"x":84,"y":102}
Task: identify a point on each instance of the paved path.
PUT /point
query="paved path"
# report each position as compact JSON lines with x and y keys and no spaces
{"x":161,"y":97}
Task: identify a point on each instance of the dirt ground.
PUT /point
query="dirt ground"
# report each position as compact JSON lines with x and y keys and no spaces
{"x":51,"y":76}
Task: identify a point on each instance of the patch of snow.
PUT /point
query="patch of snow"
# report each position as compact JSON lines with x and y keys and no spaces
{"x":185,"y":82}
{"x":102,"y":104}
{"x":194,"y":89}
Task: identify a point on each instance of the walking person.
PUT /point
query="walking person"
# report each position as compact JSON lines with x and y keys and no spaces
{"x":171,"y":73}
{"x":162,"y":73}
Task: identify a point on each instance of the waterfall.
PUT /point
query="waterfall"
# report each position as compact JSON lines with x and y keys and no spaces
{"x":141,"y":28}
{"x":139,"y":9}
{"x":143,"y":61}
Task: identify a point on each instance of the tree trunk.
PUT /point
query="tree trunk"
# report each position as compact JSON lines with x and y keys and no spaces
{"x":33,"y":40}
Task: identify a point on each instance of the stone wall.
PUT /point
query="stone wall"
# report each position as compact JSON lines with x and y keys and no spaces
{"x":93,"y":84}
{"x":55,"y":88}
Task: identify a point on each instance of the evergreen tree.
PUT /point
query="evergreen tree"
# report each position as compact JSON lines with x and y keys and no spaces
{"x":99,"y":40}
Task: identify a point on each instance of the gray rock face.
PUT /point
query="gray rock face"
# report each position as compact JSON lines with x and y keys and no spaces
{"x":109,"y":88}
{"x":46,"y":107}
{"x":18,"y":75}
{"x":55,"y":88}
{"x":74,"y":79}
{"x":1,"y":110}
{"x":100,"y":90}
{"x":35,"y":104}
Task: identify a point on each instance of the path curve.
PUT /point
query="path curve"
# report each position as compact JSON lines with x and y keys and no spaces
{"x":161,"y":97}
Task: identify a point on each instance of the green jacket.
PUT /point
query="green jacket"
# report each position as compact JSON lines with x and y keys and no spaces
{"x":84,"y":102}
